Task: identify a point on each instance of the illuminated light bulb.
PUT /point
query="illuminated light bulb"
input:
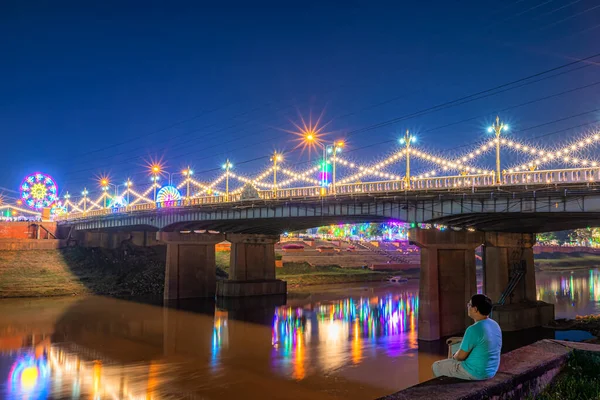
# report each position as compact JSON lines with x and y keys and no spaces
{"x":464,"y":159}
{"x":525,"y":148}
{"x":478,"y":152}
{"x":484,"y":147}
{"x":445,"y":168}
{"x":596,"y":137}
{"x":511,"y":170}
{"x":581,"y":144}
{"x":584,"y":162}
{"x":471,"y":155}
{"x":517,"y":146}
{"x":510,"y":143}
{"x":575,"y":160}
{"x":573,"y":147}
{"x":594,"y":163}
{"x":566,"y":159}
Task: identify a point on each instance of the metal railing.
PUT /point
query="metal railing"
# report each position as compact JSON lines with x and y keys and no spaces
{"x":523,"y":178}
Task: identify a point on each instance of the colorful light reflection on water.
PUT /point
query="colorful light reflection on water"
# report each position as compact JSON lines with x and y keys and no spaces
{"x":572,"y":293}
{"x":344,"y":326}
{"x":29,"y":377}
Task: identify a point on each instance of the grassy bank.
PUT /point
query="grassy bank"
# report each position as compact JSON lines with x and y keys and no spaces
{"x":303,"y":274}
{"x":131,"y":271}
{"x":73,"y":271}
{"x":579,"y":379}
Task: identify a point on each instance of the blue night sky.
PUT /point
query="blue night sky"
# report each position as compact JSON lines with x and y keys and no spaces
{"x":90,"y":88}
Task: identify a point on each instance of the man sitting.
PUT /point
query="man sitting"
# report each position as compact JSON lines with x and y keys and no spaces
{"x":479,"y":355}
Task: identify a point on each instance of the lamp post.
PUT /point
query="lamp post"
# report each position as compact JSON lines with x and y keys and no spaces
{"x":497,"y":129}
{"x":333,"y":149}
{"x":84,"y":193}
{"x":187,"y":173}
{"x":128,"y":184}
{"x":276,"y":157}
{"x":155,"y":171}
{"x":227,"y":166}
{"x":406,"y":141}
{"x":67,"y":196}
{"x":104,"y":184}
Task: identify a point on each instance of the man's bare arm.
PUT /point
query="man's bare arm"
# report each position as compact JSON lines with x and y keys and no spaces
{"x":461,"y":355}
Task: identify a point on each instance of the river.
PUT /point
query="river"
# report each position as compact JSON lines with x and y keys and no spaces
{"x":346,"y":342}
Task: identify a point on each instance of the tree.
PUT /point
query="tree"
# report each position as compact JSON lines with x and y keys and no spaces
{"x":582,"y":237}
{"x":546,"y":237}
{"x":323,"y":230}
{"x":375,"y":230}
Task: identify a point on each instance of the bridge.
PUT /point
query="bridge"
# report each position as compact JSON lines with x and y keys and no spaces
{"x":459,"y":206}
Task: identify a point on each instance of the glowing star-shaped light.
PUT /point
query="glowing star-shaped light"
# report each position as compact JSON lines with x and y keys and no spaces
{"x":38,"y":191}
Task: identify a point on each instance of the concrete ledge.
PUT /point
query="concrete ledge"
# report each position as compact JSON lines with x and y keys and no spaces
{"x":518,"y":316}
{"x":229,"y":288}
{"x":523,"y":372}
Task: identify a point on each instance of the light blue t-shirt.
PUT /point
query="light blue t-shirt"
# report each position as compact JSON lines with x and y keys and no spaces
{"x":484,"y":340}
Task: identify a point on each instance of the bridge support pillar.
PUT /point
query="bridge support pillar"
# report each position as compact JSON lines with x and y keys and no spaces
{"x":190,"y":268}
{"x":252,"y":268}
{"x":447,"y":280}
{"x":504,"y":255}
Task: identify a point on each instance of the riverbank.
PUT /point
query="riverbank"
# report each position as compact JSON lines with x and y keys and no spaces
{"x":561,"y":261}
{"x":134,"y":271}
{"x":588,"y":323}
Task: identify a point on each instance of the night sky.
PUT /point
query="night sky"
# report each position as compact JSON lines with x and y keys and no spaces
{"x":90,"y":88}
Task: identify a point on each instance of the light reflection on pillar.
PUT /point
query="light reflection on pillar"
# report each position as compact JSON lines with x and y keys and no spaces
{"x":97,"y":375}
{"x":344,"y":326}
{"x":356,"y":345}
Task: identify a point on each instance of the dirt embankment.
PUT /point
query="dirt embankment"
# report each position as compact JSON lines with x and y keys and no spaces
{"x":129,"y":271}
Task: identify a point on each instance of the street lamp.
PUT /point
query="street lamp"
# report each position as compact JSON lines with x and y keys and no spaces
{"x":276,"y":157}
{"x":406,"y":141}
{"x":332,"y":148}
{"x":67,"y":196}
{"x":227,"y":166}
{"x":104,"y":184}
{"x":84,"y":194}
{"x":497,"y":128}
{"x":128,"y":184}
{"x":187,"y":173}
{"x":155,"y":171}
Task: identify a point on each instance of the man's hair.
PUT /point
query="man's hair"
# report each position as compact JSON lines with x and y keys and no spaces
{"x":483,"y":303}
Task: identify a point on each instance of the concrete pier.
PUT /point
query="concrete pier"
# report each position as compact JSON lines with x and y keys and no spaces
{"x":252,"y":268}
{"x":504,"y":254}
{"x":447,"y":280}
{"x":190,"y":267}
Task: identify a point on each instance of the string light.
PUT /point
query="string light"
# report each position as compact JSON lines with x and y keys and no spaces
{"x":563,"y":154}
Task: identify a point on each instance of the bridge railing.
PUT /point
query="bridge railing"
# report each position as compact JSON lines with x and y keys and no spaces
{"x":544,"y":177}
{"x":572,"y":175}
